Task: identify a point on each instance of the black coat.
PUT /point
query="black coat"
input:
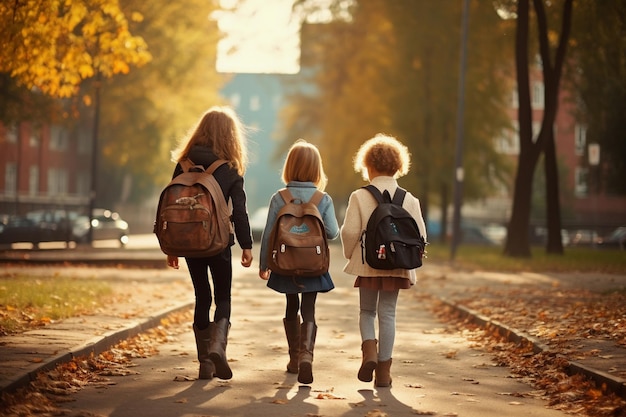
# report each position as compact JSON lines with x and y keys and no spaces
{"x":231,"y":184}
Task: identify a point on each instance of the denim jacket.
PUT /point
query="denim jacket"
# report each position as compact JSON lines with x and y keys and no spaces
{"x":303,"y":191}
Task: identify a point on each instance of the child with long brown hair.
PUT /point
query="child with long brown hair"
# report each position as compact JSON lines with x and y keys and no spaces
{"x":303,"y":174}
{"x":219,"y":134}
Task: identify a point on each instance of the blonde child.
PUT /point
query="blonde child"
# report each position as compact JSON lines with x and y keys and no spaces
{"x":381,"y":160}
{"x":303,"y":174}
{"x":217,"y":135}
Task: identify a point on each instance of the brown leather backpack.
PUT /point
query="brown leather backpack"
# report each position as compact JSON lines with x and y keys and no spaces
{"x":193,"y":218}
{"x":298,"y":244}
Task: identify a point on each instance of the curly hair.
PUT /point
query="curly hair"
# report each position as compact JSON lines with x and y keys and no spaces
{"x":385,"y":154}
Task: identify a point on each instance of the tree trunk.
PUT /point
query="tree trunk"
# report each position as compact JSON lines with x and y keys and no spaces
{"x":517,"y":244}
{"x":552,"y":77}
{"x":555,"y":242}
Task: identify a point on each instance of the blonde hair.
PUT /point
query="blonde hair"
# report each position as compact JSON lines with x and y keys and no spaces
{"x":220,"y":130}
{"x":385,"y":154}
{"x":304,"y":163}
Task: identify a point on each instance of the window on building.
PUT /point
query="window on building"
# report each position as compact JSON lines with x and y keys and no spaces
{"x":514,"y":99}
{"x":35,"y":136}
{"x":580,"y":139}
{"x":33,"y":180}
{"x":83,"y":184}
{"x":10,"y":178}
{"x":58,"y":138}
{"x":84,"y":143}
{"x":537,"y":98}
{"x":581,"y":177}
{"x":536,"y":130}
{"x":508,"y":142}
{"x":235,"y":100}
{"x":12,"y":133}
{"x":255,"y":103}
{"x":57,"y":181}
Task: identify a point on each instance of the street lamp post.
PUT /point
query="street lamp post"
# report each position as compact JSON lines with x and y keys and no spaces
{"x":94,"y":155}
{"x":458,"y":172}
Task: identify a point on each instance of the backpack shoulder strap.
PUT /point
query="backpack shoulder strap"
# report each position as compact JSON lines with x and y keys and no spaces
{"x":375,"y":192}
{"x":286,"y":195}
{"x":186,"y":164}
{"x":398,"y":196}
{"x":316,"y":198}
{"x":215,"y":165}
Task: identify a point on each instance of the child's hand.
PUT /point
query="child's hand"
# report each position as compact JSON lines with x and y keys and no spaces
{"x":264,"y":274}
{"x":246,"y":257}
{"x":172,"y":261}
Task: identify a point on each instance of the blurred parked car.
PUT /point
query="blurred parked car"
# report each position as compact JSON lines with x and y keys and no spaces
{"x":37,"y":227}
{"x":257,"y":222}
{"x":107,"y":225}
{"x":583,"y":237}
{"x":474,"y":235}
{"x":615,"y":240}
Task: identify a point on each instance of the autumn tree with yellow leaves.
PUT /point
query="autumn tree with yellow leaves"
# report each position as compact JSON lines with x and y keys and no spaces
{"x":149,"y":65}
{"x":53,"y":45}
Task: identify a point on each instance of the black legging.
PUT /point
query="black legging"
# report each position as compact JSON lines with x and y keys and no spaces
{"x":222,"y":275}
{"x":307,"y":310}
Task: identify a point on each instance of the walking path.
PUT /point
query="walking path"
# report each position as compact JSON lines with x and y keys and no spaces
{"x":148,"y":295}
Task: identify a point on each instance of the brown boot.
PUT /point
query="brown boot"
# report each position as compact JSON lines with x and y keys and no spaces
{"x":203,"y":338}
{"x":292,"y":331}
{"x":217,"y":348}
{"x":308,"y":331}
{"x":370,"y":360}
{"x":383,"y":374}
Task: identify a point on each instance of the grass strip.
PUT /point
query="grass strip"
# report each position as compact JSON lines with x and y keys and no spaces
{"x":27,"y":301}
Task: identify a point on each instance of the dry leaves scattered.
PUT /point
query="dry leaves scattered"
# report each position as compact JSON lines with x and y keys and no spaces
{"x":46,"y":394}
{"x":562,"y":321}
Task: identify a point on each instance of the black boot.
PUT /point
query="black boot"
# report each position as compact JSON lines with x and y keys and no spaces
{"x":217,"y":349}
{"x":308,"y":331}
{"x":203,"y":338}
{"x":292,"y":331}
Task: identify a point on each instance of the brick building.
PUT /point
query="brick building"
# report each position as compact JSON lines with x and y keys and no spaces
{"x":43,"y":167}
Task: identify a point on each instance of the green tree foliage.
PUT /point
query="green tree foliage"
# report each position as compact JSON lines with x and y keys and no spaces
{"x":145,"y":112}
{"x":392,"y":67}
{"x":599,"y":78}
{"x":53,"y":45}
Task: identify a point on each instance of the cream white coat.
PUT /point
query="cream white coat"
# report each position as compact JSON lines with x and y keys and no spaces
{"x":360,"y":206}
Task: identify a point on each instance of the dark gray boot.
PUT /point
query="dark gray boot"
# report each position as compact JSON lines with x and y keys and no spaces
{"x":203,"y":338}
{"x":217,"y":349}
{"x":292,"y":331}
{"x":308,"y":331}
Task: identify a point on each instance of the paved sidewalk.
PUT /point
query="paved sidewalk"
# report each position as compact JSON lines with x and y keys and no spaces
{"x":601,"y":359}
{"x":147,"y":295}
{"x":143,"y":298}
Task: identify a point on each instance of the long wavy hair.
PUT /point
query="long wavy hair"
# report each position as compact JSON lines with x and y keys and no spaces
{"x":220,"y":130}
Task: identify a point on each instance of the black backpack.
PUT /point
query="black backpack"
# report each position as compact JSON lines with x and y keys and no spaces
{"x":391,"y":239}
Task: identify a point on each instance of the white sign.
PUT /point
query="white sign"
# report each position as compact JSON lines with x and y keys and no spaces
{"x":594,"y":153}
